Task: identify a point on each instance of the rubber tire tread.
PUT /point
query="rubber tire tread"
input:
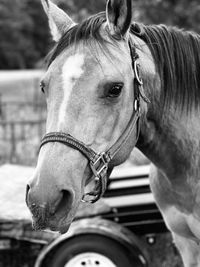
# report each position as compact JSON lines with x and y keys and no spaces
{"x":108,"y":247}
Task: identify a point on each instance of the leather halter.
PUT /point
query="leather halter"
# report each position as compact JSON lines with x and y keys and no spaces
{"x":99,"y":162}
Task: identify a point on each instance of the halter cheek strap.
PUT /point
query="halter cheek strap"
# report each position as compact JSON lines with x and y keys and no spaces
{"x":99,"y":162}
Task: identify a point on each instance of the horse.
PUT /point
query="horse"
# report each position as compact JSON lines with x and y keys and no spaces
{"x":111,"y":85}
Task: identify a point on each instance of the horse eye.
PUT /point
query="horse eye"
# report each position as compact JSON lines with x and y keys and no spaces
{"x":115,"y":90}
{"x":42,"y":87}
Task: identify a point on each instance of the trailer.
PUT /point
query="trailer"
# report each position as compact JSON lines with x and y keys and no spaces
{"x":117,"y":231}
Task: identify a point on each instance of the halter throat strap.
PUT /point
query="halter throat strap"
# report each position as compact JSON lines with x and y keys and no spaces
{"x":100,"y":162}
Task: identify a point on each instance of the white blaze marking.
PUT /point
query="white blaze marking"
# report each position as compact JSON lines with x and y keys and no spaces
{"x":71,"y":71}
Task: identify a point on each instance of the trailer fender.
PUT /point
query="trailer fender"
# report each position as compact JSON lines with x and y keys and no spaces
{"x":102,"y":227}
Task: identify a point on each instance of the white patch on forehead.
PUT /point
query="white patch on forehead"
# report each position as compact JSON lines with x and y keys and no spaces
{"x":71,"y":72}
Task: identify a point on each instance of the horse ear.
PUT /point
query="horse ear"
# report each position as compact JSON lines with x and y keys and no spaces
{"x":59,"y":21}
{"x":119,"y":16}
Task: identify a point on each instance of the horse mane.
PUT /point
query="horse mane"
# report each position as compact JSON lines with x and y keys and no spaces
{"x":176,"y":54}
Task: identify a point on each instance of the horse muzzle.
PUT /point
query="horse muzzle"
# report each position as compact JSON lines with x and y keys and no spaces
{"x":48,"y":209}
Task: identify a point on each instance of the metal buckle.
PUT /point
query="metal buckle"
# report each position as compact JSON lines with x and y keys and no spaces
{"x":99,"y":165}
{"x":87,"y":198}
{"x":137,"y":73}
{"x":99,"y":168}
{"x":137,"y":105}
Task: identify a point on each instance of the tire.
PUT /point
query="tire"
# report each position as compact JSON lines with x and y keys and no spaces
{"x":93,"y":250}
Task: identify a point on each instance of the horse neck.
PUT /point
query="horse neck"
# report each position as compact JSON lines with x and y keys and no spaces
{"x":167,"y":140}
{"x":171,"y":141}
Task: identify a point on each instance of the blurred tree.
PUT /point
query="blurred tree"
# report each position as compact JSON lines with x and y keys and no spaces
{"x":182,"y":13}
{"x":24,"y":33}
{"x":80,"y":9}
{"x":13,"y":45}
{"x":39,"y":33}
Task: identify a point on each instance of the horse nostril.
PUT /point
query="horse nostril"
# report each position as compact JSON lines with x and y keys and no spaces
{"x":64,"y":203}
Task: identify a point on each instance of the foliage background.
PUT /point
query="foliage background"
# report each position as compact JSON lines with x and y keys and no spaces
{"x":24,"y":37}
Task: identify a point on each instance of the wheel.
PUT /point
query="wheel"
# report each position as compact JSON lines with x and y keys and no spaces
{"x":93,"y":250}
{"x":90,"y":259}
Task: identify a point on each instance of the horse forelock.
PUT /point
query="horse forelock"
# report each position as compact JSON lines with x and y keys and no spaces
{"x":176,"y":54}
{"x":86,"y":31}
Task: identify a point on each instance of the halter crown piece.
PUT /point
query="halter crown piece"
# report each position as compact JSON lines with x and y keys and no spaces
{"x":99,"y":162}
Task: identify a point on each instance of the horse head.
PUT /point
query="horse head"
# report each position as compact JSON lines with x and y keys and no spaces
{"x":90,"y":94}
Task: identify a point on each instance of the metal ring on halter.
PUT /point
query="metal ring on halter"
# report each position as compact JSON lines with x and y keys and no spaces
{"x":137,"y":73}
{"x":99,"y":168}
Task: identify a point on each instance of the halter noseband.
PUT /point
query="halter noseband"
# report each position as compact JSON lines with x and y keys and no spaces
{"x":99,"y":162}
